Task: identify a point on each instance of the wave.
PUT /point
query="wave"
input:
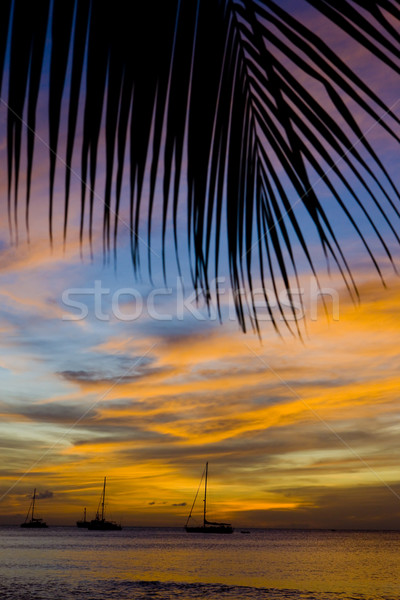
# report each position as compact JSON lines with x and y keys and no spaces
{"x":161,"y":590}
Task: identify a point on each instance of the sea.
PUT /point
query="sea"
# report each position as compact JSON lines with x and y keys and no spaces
{"x":67,"y":563}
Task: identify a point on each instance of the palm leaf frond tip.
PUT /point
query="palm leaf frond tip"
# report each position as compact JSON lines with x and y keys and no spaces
{"x":220,"y":96}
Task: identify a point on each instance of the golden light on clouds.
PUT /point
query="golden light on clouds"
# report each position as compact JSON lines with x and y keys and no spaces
{"x":288,"y":427}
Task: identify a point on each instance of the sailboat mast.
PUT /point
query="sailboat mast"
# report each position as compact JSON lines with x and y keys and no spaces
{"x":102,"y":502}
{"x":205,"y":496}
{"x":33,"y":502}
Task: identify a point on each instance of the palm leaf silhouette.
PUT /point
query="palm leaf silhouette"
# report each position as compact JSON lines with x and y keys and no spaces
{"x":216,"y":92}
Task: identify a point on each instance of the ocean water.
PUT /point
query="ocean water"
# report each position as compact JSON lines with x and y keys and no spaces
{"x":65,"y":563}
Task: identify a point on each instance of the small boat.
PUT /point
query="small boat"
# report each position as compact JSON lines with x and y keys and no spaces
{"x":99,"y":523}
{"x":208,"y":526}
{"x":244,"y":531}
{"x":83,"y":523}
{"x":33,"y":522}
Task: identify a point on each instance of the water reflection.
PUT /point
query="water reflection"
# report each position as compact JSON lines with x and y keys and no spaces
{"x":362,"y":564}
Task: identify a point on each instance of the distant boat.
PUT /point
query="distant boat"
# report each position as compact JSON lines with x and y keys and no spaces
{"x":208,"y":526}
{"x":83,"y":523}
{"x":33,"y":522}
{"x":100,"y":523}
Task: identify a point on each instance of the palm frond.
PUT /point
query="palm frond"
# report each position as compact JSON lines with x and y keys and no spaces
{"x":216,"y":94}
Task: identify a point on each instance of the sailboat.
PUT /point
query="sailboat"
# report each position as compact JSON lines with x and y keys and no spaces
{"x":208,"y":526}
{"x":33,"y":522}
{"x":83,"y":523}
{"x":100,"y":523}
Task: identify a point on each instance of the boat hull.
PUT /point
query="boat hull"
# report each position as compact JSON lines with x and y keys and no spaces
{"x":103,"y":526}
{"x":34,"y":525}
{"x":210,"y":529}
{"x":84,"y":524}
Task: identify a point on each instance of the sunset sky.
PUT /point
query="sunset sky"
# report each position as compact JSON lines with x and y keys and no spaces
{"x":141,"y":384}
